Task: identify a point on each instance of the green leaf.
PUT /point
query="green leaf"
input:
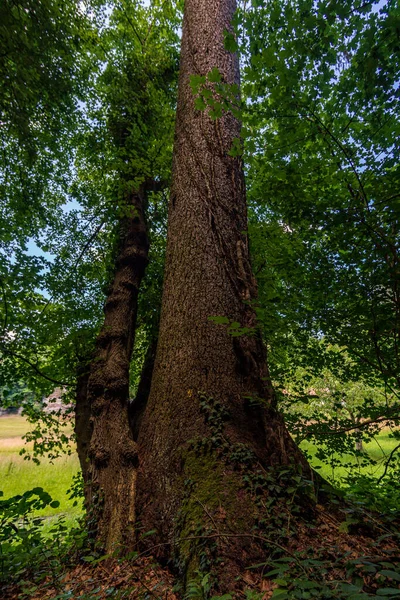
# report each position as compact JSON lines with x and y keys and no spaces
{"x":219,"y":320}
{"x":281,"y":594}
{"x":392,"y":574}
{"x":148,"y":533}
{"x":230,"y":42}
{"x":88,"y":559}
{"x":237,"y":148}
{"x":214,"y":76}
{"x":196,"y":81}
{"x":199,"y":103}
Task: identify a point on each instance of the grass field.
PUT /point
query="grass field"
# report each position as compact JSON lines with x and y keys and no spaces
{"x":18,"y":475}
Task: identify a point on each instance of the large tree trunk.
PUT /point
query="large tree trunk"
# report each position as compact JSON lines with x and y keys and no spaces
{"x":113,"y":452}
{"x":211,"y":403}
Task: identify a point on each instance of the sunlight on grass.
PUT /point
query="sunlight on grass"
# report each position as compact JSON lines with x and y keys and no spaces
{"x":378,"y":449}
{"x":18,"y":475}
{"x":13,"y":426}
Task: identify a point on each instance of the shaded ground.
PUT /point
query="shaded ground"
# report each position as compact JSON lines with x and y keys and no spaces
{"x":343,"y":558}
{"x":338,"y":547}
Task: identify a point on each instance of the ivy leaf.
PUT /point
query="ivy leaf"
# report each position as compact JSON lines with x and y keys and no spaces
{"x":214,"y":76}
{"x":236,"y":148}
{"x":199,"y":103}
{"x":216,"y":111}
{"x":219,"y":320}
{"x":195,"y":82}
{"x":230,"y":42}
{"x":392,"y":574}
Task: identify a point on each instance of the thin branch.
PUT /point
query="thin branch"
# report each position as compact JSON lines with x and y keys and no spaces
{"x":34,"y":367}
{"x":5,"y":307}
{"x":354,"y":427}
{"x":387,"y":463}
{"x":85,"y":247}
{"x":134,"y":29}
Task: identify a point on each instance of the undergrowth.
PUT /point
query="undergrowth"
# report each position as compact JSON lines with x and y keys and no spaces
{"x":348,"y":551}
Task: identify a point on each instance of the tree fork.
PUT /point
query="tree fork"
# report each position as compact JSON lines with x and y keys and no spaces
{"x":113,"y":452}
{"x":185,"y":481}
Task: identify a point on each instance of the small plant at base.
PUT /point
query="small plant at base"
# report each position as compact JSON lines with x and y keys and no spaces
{"x":21,"y":536}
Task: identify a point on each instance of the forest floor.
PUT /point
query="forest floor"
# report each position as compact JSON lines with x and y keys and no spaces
{"x":346,"y":558}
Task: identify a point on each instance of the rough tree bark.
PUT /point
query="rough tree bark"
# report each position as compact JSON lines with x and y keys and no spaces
{"x":113,"y":452}
{"x":201,"y":373}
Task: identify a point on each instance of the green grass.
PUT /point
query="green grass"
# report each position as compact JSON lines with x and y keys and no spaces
{"x":13,"y":426}
{"x":377,"y":449}
{"x":18,"y":475}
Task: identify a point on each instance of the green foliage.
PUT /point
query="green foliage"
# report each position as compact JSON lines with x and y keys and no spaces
{"x":233,"y":328}
{"x":87,"y":114}
{"x":320,"y":129}
{"x":22,"y":541}
{"x":114,"y":134}
{"x":308,"y":577}
{"x":322,"y":153}
{"x":42,"y":67}
{"x":219,"y":97}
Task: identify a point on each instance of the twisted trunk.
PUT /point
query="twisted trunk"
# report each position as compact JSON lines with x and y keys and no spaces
{"x":113,"y":452}
{"x":210,"y":414}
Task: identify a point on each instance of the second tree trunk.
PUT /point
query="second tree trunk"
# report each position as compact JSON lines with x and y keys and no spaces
{"x":113,"y":451}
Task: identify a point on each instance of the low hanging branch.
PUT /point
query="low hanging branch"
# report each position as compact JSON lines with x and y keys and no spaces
{"x":395,"y":416}
{"x":389,"y":459}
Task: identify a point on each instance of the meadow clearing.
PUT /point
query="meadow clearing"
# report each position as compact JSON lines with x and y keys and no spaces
{"x":18,"y":475}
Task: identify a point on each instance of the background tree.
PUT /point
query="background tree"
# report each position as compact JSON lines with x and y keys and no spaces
{"x":323,"y":159}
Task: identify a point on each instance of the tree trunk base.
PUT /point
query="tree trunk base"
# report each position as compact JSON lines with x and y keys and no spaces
{"x":231,"y":506}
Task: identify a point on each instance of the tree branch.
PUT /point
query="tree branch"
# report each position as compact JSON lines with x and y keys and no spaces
{"x":34,"y":367}
{"x":355,"y":426}
{"x":387,"y":463}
